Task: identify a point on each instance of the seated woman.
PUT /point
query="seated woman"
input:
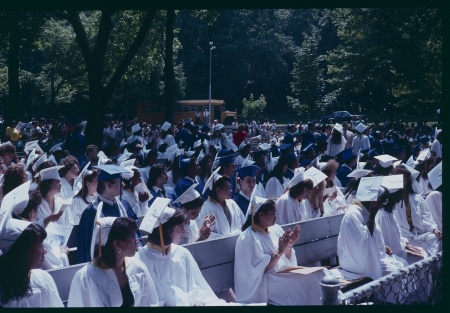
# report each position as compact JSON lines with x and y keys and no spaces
{"x":334,"y":201}
{"x":190,"y":202}
{"x":229,"y":217}
{"x":69,"y":171}
{"x":137,"y":201}
{"x":291,"y":206}
{"x":174,"y":270}
{"x":22,"y":283}
{"x":113,"y":278}
{"x":262,"y":249}
{"x":87,"y":194}
{"x":277,"y":183}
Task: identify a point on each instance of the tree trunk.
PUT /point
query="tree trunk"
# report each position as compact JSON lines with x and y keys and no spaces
{"x":169,"y":73}
{"x":12,"y":109}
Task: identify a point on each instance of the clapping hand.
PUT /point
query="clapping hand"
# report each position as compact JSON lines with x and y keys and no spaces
{"x":143,"y":196}
{"x":294,"y":235}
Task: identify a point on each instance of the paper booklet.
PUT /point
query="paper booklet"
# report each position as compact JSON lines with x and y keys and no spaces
{"x":58,"y":235}
{"x":65,"y":204}
{"x":329,"y":191}
{"x":299,"y":269}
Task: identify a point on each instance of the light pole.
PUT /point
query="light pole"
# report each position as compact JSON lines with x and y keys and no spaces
{"x":210,"y":58}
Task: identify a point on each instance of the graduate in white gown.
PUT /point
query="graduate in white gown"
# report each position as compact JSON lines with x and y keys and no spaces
{"x":87,"y":194}
{"x":261,"y":250}
{"x":291,"y":206}
{"x":174,"y":270}
{"x":190,"y":202}
{"x":434,"y":198}
{"x":52,"y":209}
{"x":386,"y":221}
{"x":277,"y":183}
{"x":22,"y":283}
{"x":113,"y":278}
{"x":361,"y":248}
{"x":334,"y":200}
{"x":229,"y":217}
{"x":414,"y":217}
{"x":69,"y":172}
{"x":137,"y":201}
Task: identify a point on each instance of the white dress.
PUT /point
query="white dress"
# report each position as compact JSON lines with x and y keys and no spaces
{"x":95,"y":287}
{"x":140,"y":208}
{"x":78,"y":206}
{"x":422,"y":234}
{"x":274,"y":189}
{"x":290,"y":210}
{"x":434,"y":203}
{"x":177,"y":276}
{"x":221,"y":226}
{"x":253,"y":252}
{"x":44,"y":211}
{"x":44,"y":293}
{"x":360,"y":252}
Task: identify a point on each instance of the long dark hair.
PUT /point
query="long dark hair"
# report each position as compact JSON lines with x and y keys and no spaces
{"x":155,"y":171}
{"x":178,"y":218}
{"x":44,"y":186}
{"x":120,"y":229}
{"x":83,"y":193}
{"x":298,"y":189}
{"x":336,"y":137}
{"x":15,"y":265}
{"x":218,"y":184}
{"x":265,"y":207}
{"x":277,"y":171}
{"x":14,"y":176}
{"x":391,"y":199}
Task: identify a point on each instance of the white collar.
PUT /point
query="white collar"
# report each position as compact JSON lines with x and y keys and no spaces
{"x":242,"y":194}
{"x":102,"y":199}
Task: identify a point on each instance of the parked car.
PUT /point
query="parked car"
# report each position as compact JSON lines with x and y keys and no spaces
{"x":340,"y":117}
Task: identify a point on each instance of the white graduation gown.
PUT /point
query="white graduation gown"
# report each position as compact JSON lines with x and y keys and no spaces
{"x":338,"y":205}
{"x":78,"y":206}
{"x":177,"y":277}
{"x":54,"y":259}
{"x":191,"y":233}
{"x":360,"y":252}
{"x":170,"y":183}
{"x":274,"y":189}
{"x":253,"y":252}
{"x":360,"y":142}
{"x":44,"y":293}
{"x":221,"y":226}
{"x":434,"y":202}
{"x":140,"y":208}
{"x":44,"y":211}
{"x":387,"y":223}
{"x":95,"y":287}
{"x":67,"y":191}
{"x":424,"y":184}
{"x":422,"y":234}
{"x":145,"y":172}
{"x":290,"y":210}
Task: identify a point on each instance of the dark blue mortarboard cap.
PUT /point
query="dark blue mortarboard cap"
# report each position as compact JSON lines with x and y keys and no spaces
{"x":225,"y":160}
{"x":399,"y":149}
{"x":247,"y":171}
{"x":309,"y":147}
{"x":290,"y":156}
{"x":258,"y":153}
{"x":288,"y":139}
{"x":183,"y":162}
{"x":110,"y":171}
{"x":188,"y":121}
{"x":424,"y":140}
{"x":204,"y":128}
{"x":275,"y":151}
{"x":285,"y":148}
{"x":416,"y":148}
{"x":344,"y":155}
{"x":373,"y":152}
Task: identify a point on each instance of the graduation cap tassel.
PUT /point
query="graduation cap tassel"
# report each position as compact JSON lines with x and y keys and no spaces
{"x":236,"y":183}
{"x":162,"y":239}
{"x":253,"y":216}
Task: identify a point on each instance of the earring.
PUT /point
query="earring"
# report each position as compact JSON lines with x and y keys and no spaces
{"x":119,"y":251}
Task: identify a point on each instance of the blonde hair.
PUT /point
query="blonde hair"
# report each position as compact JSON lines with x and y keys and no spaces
{"x":316,"y":196}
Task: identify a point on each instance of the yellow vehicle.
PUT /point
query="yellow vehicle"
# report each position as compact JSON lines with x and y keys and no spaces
{"x":184,"y":109}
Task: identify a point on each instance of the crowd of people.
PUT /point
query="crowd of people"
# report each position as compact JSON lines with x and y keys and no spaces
{"x":193,"y":182}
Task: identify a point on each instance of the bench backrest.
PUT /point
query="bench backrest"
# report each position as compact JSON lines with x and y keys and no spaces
{"x":215,"y":257}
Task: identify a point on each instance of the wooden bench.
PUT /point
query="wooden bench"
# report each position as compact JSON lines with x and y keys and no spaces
{"x":215,"y":257}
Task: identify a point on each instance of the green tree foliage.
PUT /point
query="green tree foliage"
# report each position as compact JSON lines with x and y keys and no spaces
{"x":253,"y":107}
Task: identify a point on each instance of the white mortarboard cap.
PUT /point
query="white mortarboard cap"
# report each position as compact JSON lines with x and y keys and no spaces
{"x":358,"y":173}
{"x":10,"y":229}
{"x":361,"y":165}
{"x":270,"y":164}
{"x":197,"y":143}
{"x":230,"y":145}
{"x":392,"y":183}
{"x":211,"y":180}
{"x":247,"y":162}
{"x":125,"y":155}
{"x":101,"y":232}
{"x":396,"y":163}
{"x":135,"y":128}
{"x":369,"y":188}
{"x":189,"y":195}
{"x":217,"y":127}
{"x":170,"y":151}
{"x":49,"y":173}
{"x":411,"y":162}
{"x":102,"y":158}
{"x":315,"y":175}
{"x":338,"y":127}
{"x":299,"y":176}
{"x":32,"y":146}
{"x":159,"y":212}
{"x":39,"y":161}
{"x":31,"y":158}
{"x":264,"y":146}
{"x":129,"y":166}
{"x":423,"y":155}
{"x":20,"y":125}
{"x":360,"y":127}
{"x":255,"y":202}
{"x":77,"y":183}
{"x":414,"y":173}
{"x":243,"y":144}
{"x":385,"y":160}
{"x":165,"y":126}
{"x":123,"y":143}
{"x":55,"y":148}
{"x":435,"y":176}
